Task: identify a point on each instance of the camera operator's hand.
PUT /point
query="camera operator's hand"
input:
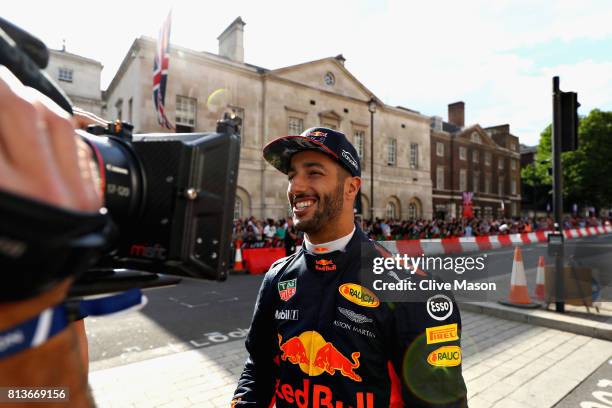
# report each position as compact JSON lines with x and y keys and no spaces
{"x":82,"y":118}
{"x":42,"y":158}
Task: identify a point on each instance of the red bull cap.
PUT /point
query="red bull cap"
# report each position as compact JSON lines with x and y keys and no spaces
{"x":328,"y":141}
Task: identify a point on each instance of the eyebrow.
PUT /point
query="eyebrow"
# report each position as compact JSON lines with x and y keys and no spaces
{"x":309,"y":165}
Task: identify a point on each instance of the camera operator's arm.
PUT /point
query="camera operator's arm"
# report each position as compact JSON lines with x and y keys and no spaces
{"x":40,"y":159}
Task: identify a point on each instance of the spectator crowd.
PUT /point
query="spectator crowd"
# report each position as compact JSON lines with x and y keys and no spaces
{"x":255,"y":233}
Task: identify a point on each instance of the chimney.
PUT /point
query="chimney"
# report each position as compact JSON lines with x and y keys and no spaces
{"x":456,"y":114}
{"x":436,"y":122}
{"x":340,"y":58}
{"x":231,"y":41}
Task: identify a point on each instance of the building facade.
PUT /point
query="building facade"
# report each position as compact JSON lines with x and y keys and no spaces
{"x":79,"y":77}
{"x":272,"y":103}
{"x":484,"y":161}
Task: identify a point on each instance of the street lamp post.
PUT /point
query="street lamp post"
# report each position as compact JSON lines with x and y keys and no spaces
{"x":372,"y":109}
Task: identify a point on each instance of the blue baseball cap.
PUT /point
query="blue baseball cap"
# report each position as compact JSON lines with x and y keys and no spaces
{"x":328,"y":141}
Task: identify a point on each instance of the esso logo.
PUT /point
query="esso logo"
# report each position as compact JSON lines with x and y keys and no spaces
{"x":439,"y":307}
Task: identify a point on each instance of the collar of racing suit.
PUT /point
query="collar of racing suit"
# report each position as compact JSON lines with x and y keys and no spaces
{"x":326,"y":247}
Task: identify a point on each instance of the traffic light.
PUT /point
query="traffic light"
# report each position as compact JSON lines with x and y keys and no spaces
{"x":569,"y":121}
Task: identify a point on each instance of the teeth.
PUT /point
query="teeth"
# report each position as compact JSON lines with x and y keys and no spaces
{"x":303,"y":204}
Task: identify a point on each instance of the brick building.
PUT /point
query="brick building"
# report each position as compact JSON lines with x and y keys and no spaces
{"x":484,"y":161}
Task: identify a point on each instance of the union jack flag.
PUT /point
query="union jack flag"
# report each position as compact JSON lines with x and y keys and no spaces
{"x":468,"y":211}
{"x":160,"y":73}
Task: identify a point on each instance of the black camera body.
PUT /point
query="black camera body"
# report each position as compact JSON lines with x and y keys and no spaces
{"x":171,"y":195}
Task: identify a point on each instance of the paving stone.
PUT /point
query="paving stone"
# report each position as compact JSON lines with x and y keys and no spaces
{"x":506,"y":364}
{"x":496,"y":392}
{"x":477,"y":402}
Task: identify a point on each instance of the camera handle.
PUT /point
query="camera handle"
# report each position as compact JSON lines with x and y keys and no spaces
{"x":97,"y":281}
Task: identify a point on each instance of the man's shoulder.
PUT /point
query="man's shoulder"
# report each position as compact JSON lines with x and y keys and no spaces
{"x":280,"y":265}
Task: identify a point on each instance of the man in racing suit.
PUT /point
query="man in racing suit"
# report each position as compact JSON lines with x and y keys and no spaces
{"x":319,"y":337}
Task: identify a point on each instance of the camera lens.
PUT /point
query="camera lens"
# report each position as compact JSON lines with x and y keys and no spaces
{"x":120,"y":175}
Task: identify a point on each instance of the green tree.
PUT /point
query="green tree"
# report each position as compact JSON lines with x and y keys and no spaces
{"x":586,"y":171}
{"x":590,"y":167}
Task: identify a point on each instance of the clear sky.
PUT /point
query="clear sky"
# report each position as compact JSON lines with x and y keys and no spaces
{"x":498,"y":57}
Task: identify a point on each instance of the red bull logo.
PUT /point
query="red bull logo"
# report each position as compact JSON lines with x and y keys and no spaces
{"x":325,"y":265}
{"x":319,"y":396}
{"x":315,"y":356}
{"x":317,"y":133}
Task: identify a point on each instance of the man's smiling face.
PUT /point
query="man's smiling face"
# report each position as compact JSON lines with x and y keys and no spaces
{"x":316,"y":190}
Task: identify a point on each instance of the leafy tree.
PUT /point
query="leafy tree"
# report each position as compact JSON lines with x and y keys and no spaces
{"x":587,"y":172}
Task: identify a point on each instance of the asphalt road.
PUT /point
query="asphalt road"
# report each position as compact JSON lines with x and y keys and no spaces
{"x":193,"y":314}
{"x":197,"y":314}
{"x":594,"y":392}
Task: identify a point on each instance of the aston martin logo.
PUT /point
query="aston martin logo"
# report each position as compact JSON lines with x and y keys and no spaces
{"x":354,"y":317}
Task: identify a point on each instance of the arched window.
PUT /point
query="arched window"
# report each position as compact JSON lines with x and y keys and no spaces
{"x":412,"y":211}
{"x":238,"y":208}
{"x":391,"y":211}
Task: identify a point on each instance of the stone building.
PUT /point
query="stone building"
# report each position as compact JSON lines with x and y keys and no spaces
{"x":79,"y":77}
{"x":485,"y":161}
{"x":277,"y":102}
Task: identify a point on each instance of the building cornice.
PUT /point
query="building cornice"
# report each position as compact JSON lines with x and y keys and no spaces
{"x":75,"y":57}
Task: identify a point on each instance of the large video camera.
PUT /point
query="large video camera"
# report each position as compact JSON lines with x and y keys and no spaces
{"x":171,"y":196}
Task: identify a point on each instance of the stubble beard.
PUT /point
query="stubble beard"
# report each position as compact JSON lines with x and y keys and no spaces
{"x":328,"y":210}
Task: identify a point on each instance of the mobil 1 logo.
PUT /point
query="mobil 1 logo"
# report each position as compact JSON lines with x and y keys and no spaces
{"x":439,"y":307}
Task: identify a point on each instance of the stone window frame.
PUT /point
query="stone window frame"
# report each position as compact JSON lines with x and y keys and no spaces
{"x":295,"y":125}
{"x":439,"y":149}
{"x":462,"y":180}
{"x":119,"y":108}
{"x":487,"y":183}
{"x":391,"y":151}
{"x":238,"y":208}
{"x":414,"y":156}
{"x":440,"y":177}
{"x":487,"y":158}
{"x":187,"y":108}
{"x":65,"y":74}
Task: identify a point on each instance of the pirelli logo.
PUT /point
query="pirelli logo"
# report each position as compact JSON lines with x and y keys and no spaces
{"x":442,"y":334}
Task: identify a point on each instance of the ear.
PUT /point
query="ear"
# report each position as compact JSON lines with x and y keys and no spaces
{"x":352,"y":186}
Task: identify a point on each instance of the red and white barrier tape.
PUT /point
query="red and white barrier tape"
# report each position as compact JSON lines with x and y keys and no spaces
{"x":457,"y":245}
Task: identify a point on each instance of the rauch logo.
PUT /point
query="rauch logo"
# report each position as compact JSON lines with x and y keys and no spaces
{"x":359,"y":295}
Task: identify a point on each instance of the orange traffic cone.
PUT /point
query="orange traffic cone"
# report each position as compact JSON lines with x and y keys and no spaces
{"x":238,"y":259}
{"x":539,"y":290}
{"x":519,"y":294}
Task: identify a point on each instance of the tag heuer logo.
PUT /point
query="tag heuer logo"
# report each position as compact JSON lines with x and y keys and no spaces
{"x":286,"y":289}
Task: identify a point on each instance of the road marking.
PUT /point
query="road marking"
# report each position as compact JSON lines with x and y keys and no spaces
{"x":234,"y":299}
{"x":504,"y":252}
{"x":191,"y":306}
